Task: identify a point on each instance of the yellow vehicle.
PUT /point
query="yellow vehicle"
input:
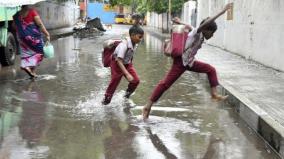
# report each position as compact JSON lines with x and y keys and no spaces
{"x":120,"y":19}
{"x":128,"y":19}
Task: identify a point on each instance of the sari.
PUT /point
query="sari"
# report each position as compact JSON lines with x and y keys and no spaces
{"x":30,"y":39}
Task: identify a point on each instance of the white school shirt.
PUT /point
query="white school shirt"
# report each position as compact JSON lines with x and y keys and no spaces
{"x":125,"y":50}
{"x":192,"y":45}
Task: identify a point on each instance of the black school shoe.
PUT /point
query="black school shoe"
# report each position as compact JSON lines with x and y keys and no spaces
{"x":106,"y":100}
{"x":127,"y":94}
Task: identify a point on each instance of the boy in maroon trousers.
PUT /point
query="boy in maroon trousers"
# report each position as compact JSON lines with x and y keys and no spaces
{"x":188,"y":62}
{"x":121,"y":64}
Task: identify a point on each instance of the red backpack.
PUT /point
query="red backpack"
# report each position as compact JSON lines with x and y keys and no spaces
{"x":175,"y":46}
{"x":109,"y":47}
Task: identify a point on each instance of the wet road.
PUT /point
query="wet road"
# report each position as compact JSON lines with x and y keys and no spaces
{"x":59,"y":116}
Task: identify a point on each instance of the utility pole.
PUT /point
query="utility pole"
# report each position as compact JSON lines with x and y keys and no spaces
{"x":132,"y":10}
{"x":170,"y":16}
{"x":170,"y":10}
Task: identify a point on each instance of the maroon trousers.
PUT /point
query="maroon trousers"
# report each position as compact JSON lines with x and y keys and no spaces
{"x":116,"y":75}
{"x":177,"y":70}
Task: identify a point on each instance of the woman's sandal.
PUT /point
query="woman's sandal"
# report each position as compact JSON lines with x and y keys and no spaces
{"x":29,"y":72}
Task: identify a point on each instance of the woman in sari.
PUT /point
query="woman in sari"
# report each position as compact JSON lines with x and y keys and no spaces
{"x":29,"y":27}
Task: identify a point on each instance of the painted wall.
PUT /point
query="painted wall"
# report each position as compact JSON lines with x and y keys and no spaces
{"x":255,"y":31}
{"x":151,"y":18}
{"x":58,"y":15}
{"x":159,"y":21}
{"x":189,"y":14}
{"x":97,"y":10}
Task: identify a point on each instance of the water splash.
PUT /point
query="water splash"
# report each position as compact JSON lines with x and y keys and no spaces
{"x":102,"y":72}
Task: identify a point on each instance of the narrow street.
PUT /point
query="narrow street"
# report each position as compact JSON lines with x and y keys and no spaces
{"x":60,"y":116}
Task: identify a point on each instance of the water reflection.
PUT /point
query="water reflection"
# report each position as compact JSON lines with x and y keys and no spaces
{"x":8,"y":130}
{"x":68,"y":50}
{"x":24,"y":140}
{"x":120,"y":143}
{"x":159,"y":145}
{"x":33,"y":119}
{"x":212,"y":148}
{"x":153,"y":44}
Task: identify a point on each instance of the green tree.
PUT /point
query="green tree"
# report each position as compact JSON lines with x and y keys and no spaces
{"x":142,"y":6}
{"x":120,"y":2}
{"x":162,"y":6}
{"x":158,"y":6}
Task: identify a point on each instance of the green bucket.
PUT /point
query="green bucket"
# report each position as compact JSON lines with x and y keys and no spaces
{"x":48,"y":50}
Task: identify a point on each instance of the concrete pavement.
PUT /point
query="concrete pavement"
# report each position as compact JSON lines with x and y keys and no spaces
{"x":256,"y":91}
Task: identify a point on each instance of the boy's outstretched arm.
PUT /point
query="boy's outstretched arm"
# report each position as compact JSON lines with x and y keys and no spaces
{"x":178,"y":21}
{"x":209,"y":20}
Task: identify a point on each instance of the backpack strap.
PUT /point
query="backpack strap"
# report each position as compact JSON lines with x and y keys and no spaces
{"x":126,"y":41}
{"x":128,"y":48}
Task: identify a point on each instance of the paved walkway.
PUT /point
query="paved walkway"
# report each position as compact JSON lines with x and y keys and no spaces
{"x":261,"y":85}
{"x":256,"y":91}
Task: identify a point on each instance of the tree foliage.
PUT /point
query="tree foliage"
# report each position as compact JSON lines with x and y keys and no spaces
{"x":120,"y":2}
{"x":158,"y":6}
{"x":162,"y":6}
{"x":142,"y":6}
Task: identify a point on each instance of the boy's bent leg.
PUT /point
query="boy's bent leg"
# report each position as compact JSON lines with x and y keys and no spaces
{"x":175,"y":72}
{"x":111,"y":89}
{"x":202,"y":67}
{"x":146,"y":109}
{"x":116,"y":76}
{"x":134,"y":83}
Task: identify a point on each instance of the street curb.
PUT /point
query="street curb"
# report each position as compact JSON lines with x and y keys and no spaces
{"x":262,"y":123}
{"x":56,"y":36}
{"x":56,"y":33}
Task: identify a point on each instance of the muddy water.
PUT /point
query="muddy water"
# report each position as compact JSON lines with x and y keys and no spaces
{"x":59,"y":115}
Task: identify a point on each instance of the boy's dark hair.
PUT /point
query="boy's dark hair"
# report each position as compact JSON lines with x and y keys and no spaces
{"x":212,"y":26}
{"x":135,"y":29}
{"x":24,"y":6}
{"x":137,"y":16}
